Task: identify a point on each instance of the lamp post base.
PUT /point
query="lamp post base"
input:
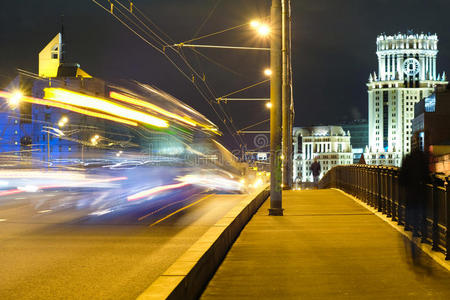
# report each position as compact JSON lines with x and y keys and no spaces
{"x":275,"y":211}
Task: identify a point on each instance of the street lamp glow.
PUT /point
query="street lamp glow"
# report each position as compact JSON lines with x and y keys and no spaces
{"x":15,"y":98}
{"x":264,"y":29}
{"x":268,"y":72}
{"x":94,"y":139}
{"x":62,"y":122}
{"x":255,"y":24}
{"x":269,"y":105}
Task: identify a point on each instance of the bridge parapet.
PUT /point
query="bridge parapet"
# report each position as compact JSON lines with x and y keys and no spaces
{"x":379,"y":187}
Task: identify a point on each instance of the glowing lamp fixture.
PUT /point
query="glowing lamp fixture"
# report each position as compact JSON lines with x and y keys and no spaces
{"x":269,"y":105}
{"x":63,"y":121}
{"x":255,"y":24}
{"x":268,"y":72}
{"x":15,"y":98}
{"x":264,"y":30}
{"x":94,"y":139}
{"x":77,"y":99}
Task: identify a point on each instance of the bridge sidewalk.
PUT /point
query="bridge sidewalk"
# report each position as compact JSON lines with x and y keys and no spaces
{"x":326,"y":246}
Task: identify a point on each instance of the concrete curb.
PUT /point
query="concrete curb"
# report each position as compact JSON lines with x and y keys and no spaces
{"x":436,"y":256}
{"x":189,"y":274}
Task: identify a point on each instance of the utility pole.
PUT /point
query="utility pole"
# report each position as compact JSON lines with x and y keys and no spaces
{"x":48,"y":145}
{"x":286,"y":97}
{"x":291,"y":100}
{"x":276,"y":110}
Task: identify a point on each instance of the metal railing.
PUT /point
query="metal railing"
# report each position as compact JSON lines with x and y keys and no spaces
{"x":380,"y":188}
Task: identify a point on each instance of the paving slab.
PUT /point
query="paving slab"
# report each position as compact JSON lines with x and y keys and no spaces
{"x":325,"y":246}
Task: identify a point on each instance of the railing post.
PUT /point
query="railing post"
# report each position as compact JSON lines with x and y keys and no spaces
{"x":389,"y":193}
{"x":447,"y":219}
{"x":384,"y":189}
{"x":407,"y":212}
{"x":435,"y":216}
{"x":395,"y":204}
{"x":424,"y":203}
{"x":367,"y":183}
{"x":379,"y":189}
{"x":374,"y":187}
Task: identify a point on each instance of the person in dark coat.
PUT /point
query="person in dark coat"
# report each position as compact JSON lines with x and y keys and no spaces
{"x":315,"y":169}
{"x":414,"y":175}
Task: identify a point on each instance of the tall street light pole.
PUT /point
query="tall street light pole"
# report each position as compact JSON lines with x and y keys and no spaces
{"x":286,"y":97}
{"x":276,"y":110}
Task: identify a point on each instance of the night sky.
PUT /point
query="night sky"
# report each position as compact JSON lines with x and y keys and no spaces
{"x":333,"y":48}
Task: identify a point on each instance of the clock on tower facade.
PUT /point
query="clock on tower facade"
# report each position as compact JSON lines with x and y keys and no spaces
{"x":406,"y":74}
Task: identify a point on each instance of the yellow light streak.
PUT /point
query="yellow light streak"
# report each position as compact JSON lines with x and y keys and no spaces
{"x":132,"y":100}
{"x":73,"y":98}
{"x":71,"y":108}
{"x":181,"y":209}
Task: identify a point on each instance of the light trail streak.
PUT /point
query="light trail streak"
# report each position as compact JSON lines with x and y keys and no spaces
{"x":10,"y":192}
{"x":156,"y":190}
{"x":73,"y":98}
{"x":164,"y":207}
{"x":38,"y":101}
{"x":46,"y":187}
{"x":131,"y":100}
{"x":181,"y":209}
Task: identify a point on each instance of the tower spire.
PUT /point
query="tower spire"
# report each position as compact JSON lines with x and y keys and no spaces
{"x":63,"y":52}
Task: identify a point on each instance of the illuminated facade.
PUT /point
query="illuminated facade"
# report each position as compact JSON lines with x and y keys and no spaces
{"x":406,"y":74}
{"x":329,"y":144}
{"x":64,"y":113}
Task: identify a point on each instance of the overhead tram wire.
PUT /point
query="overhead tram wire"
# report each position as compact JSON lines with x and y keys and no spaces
{"x":151,"y":22}
{"x":256,"y":124}
{"x":173,"y":63}
{"x":162,"y":41}
{"x":216,"y":33}
{"x":214,"y":97}
{"x":227,"y":117}
{"x":244,"y":89}
{"x":181,"y":54}
{"x":216,"y":63}
{"x":208,"y":17}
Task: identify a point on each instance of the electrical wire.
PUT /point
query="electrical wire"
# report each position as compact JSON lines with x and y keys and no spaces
{"x":171,"y":60}
{"x":207,"y":18}
{"x":256,"y":124}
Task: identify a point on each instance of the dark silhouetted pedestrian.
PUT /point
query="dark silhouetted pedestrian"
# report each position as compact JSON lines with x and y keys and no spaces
{"x":315,"y":169}
{"x":414,"y":175}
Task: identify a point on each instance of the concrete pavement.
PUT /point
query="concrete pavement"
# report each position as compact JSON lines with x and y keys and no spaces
{"x":57,"y":256}
{"x":326,"y":246}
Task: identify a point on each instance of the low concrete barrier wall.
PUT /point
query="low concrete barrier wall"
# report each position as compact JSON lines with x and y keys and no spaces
{"x":189,"y":275}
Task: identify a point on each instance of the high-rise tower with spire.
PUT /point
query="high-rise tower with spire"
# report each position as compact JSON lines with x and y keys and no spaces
{"x":406,"y":74}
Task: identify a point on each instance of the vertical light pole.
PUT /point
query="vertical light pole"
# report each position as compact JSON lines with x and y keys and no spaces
{"x":48,"y":145}
{"x":276,"y":110}
{"x":286,"y":97}
{"x":291,"y":99}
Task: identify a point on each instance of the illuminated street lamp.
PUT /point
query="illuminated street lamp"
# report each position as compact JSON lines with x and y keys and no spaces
{"x":262,"y":28}
{"x":268,"y":72}
{"x":15,"y":98}
{"x":255,"y":24}
{"x":62,"y":122}
{"x":94,"y":139}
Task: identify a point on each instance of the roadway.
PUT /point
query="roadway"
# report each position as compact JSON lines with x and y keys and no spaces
{"x":89,"y":243}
